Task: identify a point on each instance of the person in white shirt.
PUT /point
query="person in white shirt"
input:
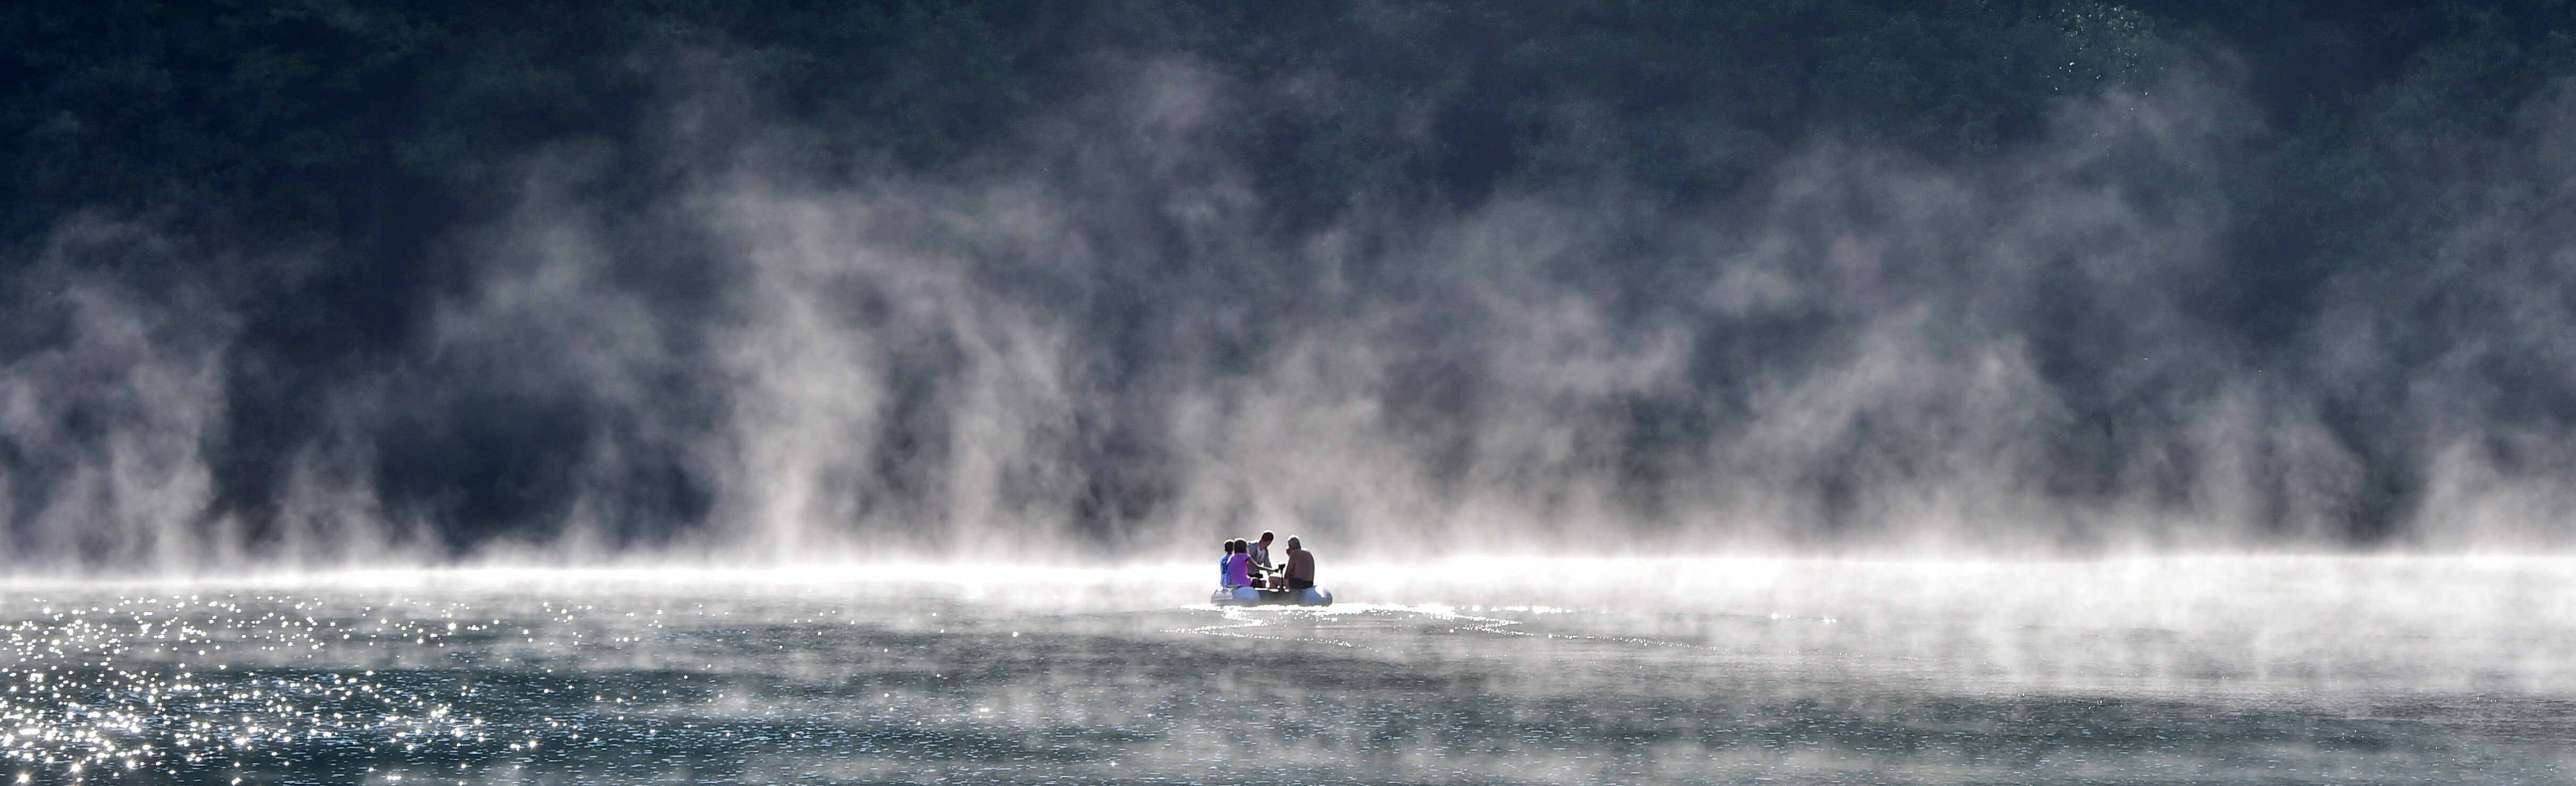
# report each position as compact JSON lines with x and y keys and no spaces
{"x":1263,"y":571}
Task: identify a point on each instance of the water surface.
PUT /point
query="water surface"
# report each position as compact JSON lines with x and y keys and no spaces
{"x":2220,"y":670}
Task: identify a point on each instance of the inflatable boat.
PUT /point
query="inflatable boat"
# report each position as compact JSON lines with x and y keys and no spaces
{"x":1248,"y":596}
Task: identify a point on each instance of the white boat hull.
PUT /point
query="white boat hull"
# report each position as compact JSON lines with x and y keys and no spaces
{"x":1247,"y":596}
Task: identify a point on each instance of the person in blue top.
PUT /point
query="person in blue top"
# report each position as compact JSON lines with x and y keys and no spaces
{"x":1235,"y":569}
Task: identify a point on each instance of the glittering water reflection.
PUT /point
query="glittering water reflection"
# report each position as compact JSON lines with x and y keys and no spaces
{"x":2244,"y":671}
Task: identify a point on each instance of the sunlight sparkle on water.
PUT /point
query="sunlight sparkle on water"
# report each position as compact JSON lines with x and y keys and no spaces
{"x":2219,"y":669}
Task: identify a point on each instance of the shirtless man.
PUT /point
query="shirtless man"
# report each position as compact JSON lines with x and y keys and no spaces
{"x":1301,"y":567}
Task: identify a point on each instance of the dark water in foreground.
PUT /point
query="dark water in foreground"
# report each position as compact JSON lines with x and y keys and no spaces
{"x":2172,"y":671}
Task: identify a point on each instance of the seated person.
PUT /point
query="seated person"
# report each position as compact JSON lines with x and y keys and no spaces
{"x":1261,"y":567}
{"x":1235,"y":569}
{"x":1301,"y":566}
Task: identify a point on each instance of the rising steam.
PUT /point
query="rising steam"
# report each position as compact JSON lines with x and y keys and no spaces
{"x":1101,"y":339}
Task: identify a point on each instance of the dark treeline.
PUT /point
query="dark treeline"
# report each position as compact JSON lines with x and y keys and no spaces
{"x":318,"y":176}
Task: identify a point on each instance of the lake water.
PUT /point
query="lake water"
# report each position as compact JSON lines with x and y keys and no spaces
{"x":2211,"y":670}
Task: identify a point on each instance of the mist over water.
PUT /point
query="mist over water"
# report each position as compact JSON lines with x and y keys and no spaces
{"x":2255,"y":670}
{"x":1105,"y":331}
{"x":1102,"y":342}
{"x":1839,"y":392}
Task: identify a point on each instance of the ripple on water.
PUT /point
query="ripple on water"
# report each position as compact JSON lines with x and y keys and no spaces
{"x":927,"y":682}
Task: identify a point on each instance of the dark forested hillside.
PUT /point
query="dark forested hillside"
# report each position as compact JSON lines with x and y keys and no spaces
{"x":341,"y":279}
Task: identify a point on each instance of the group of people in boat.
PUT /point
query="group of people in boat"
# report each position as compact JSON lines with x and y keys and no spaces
{"x":1247,"y":564}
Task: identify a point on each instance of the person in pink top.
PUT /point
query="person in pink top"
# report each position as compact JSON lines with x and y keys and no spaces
{"x":1236,"y":569}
